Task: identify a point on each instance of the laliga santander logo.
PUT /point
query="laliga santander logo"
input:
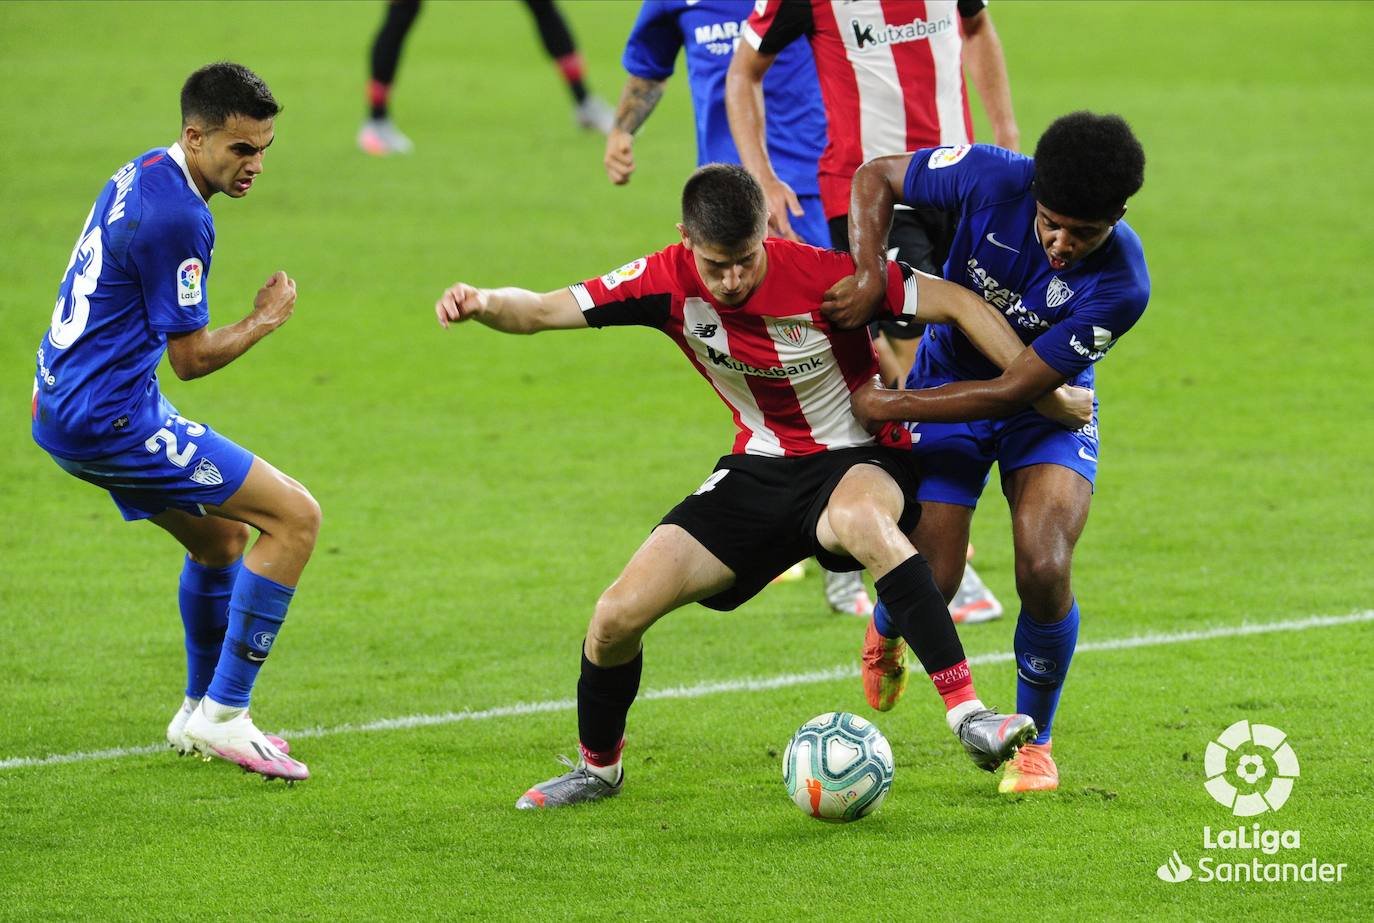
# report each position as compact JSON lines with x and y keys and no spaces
{"x":1250,"y":768}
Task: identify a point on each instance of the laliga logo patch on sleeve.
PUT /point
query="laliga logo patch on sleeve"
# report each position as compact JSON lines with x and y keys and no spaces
{"x":624,"y":273}
{"x":189,"y":277}
{"x":948,"y":156}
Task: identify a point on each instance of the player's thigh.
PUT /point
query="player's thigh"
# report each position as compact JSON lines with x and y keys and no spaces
{"x":866,"y":501}
{"x":272,"y":502}
{"x":1049,"y":508}
{"x":671,"y":569}
{"x":211,"y":541}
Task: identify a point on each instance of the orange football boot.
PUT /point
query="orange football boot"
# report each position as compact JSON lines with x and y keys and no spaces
{"x":884,"y":669}
{"x":1032,"y":769}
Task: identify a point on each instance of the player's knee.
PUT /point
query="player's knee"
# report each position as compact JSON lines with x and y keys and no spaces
{"x":1042,"y":573}
{"x":859,"y":522}
{"x":223,"y":546}
{"x":302,"y":520}
{"x":616,"y":619}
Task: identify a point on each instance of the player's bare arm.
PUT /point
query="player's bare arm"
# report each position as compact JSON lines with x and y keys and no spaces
{"x":510,"y":310}
{"x":744,"y":107}
{"x":637,"y":101}
{"x":203,"y":351}
{"x":987,"y":71}
{"x":877,"y":187}
{"x":1026,"y":380}
{"x":943,"y":302}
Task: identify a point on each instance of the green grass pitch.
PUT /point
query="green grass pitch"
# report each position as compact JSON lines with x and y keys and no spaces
{"x":480,"y":490}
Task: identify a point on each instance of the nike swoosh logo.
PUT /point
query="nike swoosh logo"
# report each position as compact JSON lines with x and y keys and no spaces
{"x":992,"y":239}
{"x":1083,"y":454}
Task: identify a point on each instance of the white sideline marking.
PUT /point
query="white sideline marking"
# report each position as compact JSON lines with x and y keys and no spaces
{"x":747,"y":684}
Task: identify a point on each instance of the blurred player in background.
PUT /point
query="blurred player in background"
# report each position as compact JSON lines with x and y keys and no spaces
{"x":380,"y":136}
{"x":804,"y":477}
{"x":136,"y":286}
{"x":892,"y":77}
{"x":1042,"y":241}
{"x":709,"y":30}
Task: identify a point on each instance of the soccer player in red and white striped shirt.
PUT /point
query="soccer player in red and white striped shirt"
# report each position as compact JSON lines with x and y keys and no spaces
{"x":891,"y":76}
{"x":803,"y":476}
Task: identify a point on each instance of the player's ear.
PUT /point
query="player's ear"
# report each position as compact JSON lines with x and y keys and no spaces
{"x":686,"y":240}
{"x":191,"y":137}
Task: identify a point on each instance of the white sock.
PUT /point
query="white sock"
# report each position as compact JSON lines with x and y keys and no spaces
{"x":189,"y":704}
{"x":955,"y":714}
{"x":608,"y":774}
{"x":220,"y":713}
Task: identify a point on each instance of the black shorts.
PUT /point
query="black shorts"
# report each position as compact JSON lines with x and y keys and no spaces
{"x":922,"y":237}
{"x":758,"y":514}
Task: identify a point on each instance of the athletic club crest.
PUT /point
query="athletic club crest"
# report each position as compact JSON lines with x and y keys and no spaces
{"x":1057,"y":293}
{"x":793,"y":332}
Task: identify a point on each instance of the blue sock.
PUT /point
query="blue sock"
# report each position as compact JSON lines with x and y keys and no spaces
{"x":256,"y":612}
{"x":1043,"y":653}
{"x":204,"y":599}
{"x":883,"y":621}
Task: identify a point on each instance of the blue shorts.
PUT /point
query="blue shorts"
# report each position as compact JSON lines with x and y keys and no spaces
{"x":955,"y":458}
{"x":182,"y":466}
{"x":811,"y":227}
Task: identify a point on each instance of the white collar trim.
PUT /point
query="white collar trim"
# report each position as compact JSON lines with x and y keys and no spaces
{"x":176,"y":153}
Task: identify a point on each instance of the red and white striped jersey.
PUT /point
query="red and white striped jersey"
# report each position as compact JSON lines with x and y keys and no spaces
{"x":775,"y":361}
{"x":891,"y":76}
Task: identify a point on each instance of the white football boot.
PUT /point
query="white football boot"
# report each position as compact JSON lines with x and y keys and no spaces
{"x":176,"y":739}
{"x":238,"y":740}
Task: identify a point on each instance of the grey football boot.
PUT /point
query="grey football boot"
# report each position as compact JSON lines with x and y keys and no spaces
{"x":990,"y":739}
{"x":577,"y":785}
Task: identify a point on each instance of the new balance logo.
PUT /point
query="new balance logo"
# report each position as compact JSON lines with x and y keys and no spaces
{"x":704,"y":331}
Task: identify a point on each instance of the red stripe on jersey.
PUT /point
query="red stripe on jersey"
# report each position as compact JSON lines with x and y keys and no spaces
{"x":858,"y":364}
{"x":750,"y":342}
{"x":152,"y":160}
{"x":844,"y":151}
{"x":916,"y":70}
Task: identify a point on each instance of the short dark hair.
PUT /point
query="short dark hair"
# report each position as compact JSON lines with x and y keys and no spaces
{"x":1088,"y":165}
{"x":723,"y":205}
{"x":222,"y":89}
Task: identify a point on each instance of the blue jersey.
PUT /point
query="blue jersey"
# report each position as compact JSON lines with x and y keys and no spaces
{"x":138,"y":272}
{"x":1071,"y":318}
{"x":710,"y":30}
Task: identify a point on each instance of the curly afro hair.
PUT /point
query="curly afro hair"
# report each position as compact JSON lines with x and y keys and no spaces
{"x":1088,"y":165}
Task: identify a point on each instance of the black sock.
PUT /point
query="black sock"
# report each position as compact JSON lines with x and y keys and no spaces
{"x":604,"y":697}
{"x":917,"y":609}
{"x":386,"y":50}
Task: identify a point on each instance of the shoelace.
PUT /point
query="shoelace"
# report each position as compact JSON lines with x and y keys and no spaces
{"x":1033,"y":762}
{"x":886,"y":654}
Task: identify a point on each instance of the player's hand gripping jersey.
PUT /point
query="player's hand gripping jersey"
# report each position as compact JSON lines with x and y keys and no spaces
{"x":1070,"y":317}
{"x":783,"y":371}
{"x":138,"y":272}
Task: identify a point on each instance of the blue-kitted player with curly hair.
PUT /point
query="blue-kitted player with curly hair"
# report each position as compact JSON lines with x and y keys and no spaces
{"x":1044,"y":241}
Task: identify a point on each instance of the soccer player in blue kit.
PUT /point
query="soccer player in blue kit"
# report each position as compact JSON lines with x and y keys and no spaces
{"x":136,"y":286}
{"x":708,"y":31}
{"x":1043,"y":240}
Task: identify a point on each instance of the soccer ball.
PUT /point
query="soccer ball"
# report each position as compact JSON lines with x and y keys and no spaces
{"x":837,"y":767}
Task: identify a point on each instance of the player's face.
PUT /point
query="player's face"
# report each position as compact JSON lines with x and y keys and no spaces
{"x":1068,"y":240}
{"x":730,"y":274}
{"x":228,"y":158}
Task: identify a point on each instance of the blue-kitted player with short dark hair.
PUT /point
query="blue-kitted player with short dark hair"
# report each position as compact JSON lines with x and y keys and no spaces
{"x":136,"y":286}
{"x":1041,"y":239}
{"x":708,"y":32}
